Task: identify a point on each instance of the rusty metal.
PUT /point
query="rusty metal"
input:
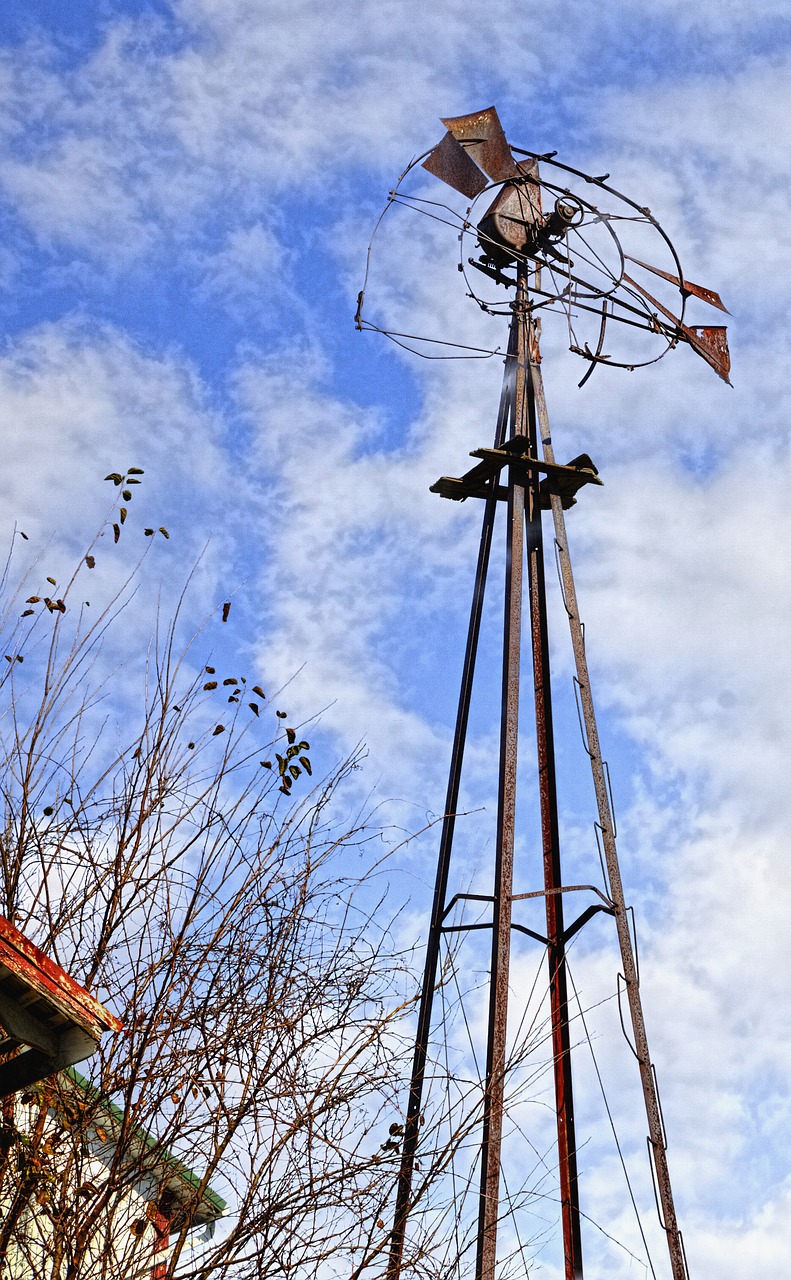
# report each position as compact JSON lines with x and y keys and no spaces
{"x":476,"y":482}
{"x":450,"y":163}
{"x":550,"y":842}
{"x":492,"y":1136}
{"x":440,"y":907}
{"x":510,"y":231}
{"x":714,"y":349}
{"x":699,"y":291}
{"x":511,"y":226}
{"x":711,"y":342}
{"x":515,"y":232}
{"x":606,"y":826}
{"x":484,"y":139}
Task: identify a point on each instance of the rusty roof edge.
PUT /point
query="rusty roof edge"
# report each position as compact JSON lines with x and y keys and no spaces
{"x":29,"y":963}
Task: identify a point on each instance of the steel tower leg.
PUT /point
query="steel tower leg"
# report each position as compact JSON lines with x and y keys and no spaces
{"x":491,"y":1144}
{"x":550,"y":842}
{"x":412,"y":1125}
{"x":656,"y":1136}
{"x":516,"y":404}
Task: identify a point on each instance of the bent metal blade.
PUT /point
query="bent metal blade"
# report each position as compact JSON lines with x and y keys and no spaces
{"x":710,"y":343}
{"x":485,"y":141}
{"x":450,"y":163}
{"x":699,"y":290}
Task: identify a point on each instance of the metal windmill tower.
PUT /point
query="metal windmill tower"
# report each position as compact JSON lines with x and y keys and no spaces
{"x":537,"y":240}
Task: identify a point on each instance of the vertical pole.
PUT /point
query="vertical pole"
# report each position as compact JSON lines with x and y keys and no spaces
{"x":412,"y":1124}
{"x":656,"y":1137}
{"x":491,"y":1145}
{"x":550,"y":842}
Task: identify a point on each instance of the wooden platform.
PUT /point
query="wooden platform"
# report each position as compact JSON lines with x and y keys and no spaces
{"x":481,"y":481}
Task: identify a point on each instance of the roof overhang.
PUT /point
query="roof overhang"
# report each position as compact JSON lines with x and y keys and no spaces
{"x":47,"y":1020}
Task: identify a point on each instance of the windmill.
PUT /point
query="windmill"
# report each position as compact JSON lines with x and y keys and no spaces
{"x":541,"y":245}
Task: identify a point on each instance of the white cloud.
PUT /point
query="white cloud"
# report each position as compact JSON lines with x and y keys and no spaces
{"x":78,"y":194}
{"x":711,"y":153}
{"x":78,"y":404}
{"x":257,"y":100}
{"x":246,"y":276}
{"x":74,"y":398}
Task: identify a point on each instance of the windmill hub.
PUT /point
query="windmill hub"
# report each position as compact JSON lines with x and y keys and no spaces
{"x":567,"y":213}
{"x":514,"y":225}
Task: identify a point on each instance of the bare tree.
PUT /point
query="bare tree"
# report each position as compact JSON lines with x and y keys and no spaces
{"x":196,"y":880}
{"x":181,"y":863}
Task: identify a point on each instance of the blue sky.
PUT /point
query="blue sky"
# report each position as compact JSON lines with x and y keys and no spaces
{"x":186,"y":195}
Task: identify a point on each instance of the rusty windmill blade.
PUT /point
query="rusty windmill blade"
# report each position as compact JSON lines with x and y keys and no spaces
{"x":710,"y":343}
{"x":541,"y":214}
{"x":450,"y":163}
{"x":699,"y":291}
{"x":477,"y":142}
{"x":484,"y":139}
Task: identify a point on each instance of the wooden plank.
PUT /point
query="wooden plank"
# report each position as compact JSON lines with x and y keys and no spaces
{"x":26,"y":1068}
{"x":25,"y":1027}
{"x":457,"y":489}
{"x":40,"y":974}
{"x":509,"y":457}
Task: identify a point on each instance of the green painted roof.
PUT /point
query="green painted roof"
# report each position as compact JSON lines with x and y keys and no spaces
{"x":209,"y":1198}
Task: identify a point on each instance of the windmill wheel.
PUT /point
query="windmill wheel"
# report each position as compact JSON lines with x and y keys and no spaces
{"x":594,"y":264}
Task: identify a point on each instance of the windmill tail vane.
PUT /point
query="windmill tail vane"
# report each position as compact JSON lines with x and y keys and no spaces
{"x":542,"y":231}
